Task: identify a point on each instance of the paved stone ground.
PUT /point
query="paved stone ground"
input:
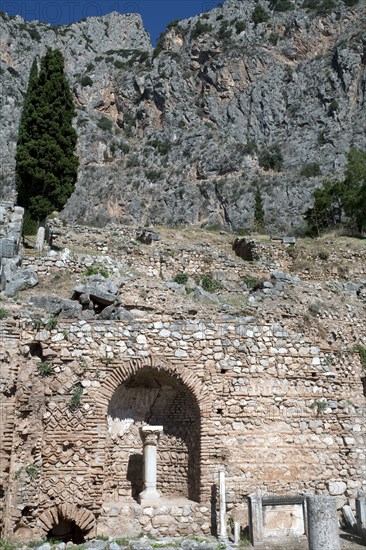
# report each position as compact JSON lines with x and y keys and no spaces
{"x":348,"y":542}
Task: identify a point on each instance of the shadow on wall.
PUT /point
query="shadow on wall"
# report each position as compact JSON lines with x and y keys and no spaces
{"x":134,"y":474}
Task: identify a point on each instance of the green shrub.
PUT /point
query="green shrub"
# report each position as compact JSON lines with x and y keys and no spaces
{"x":44,"y":369}
{"x":259,"y":15}
{"x":163,"y":147}
{"x":128,"y":123}
{"x":86,"y":81}
{"x":51,"y":323}
{"x":173,"y":23}
{"x":249,"y":281}
{"x":283,"y":5}
{"x":96,"y":270}
{"x":321,"y":7}
{"x":153,"y":175}
{"x":34,"y":34}
{"x":76,"y":397}
{"x":319,"y":405}
{"x":323,"y":255}
{"x":118,"y":64}
{"x":273,"y":38}
{"x":224,"y":31}
{"x":159,"y":45}
{"x":181,"y":278}
{"x":333,"y":107}
{"x":201,"y":28}
{"x":311,"y":170}
{"x":3,"y":313}
{"x":133,"y":162}
{"x":123,"y":147}
{"x":105,"y":123}
{"x":240,"y":26}
{"x":214,"y":227}
{"x":208,"y":284}
{"x":362,"y":353}
{"x":32,"y":471}
{"x":250,"y":147}
{"x":7,"y":545}
{"x":271,"y":158}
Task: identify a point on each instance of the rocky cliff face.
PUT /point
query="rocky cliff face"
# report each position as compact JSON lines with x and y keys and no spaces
{"x":243,"y":96}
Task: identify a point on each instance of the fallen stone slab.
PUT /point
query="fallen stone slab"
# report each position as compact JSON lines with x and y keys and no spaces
{"x":148,"y":236}
{"x":288,"y":240}
{"x":121,"y":314}
{"x":70,"y":309}
{"x":51,"y":304}
{"x":67,"y":309}
{"x":21,"y":280}
{"x":282,"y":276}
{"x":97,"y":294}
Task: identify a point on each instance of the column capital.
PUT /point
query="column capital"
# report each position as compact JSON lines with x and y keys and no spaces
{"x":150,"y":434}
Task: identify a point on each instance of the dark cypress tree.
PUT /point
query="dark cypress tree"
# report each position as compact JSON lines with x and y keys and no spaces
{"x":258,"y":211}
{"x":46,"y":164}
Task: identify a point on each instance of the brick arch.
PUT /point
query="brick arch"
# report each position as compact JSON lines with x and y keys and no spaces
{"x":83,"y":518}
{"x":124,"y":371}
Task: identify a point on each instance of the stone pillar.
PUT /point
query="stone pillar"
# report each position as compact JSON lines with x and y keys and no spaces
{"x":255,"y":519}
{"x":236,"y":533}
{"x":361,"y":515}
{"x":150,"y":437}
{"x":222,"y":513}
{"x":40,"y":238}
{"x":323,"y":530}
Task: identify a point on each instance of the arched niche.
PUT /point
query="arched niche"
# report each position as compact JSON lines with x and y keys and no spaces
{"x":67,"y":522}
{"x":156,"y":397}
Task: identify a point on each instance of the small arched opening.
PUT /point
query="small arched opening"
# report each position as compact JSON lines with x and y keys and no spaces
{"x":66,"y":531}
{"x":67,"y":523}
{"x":155,"y":397}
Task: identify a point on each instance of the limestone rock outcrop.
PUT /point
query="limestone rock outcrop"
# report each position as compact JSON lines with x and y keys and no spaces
{"x":226,"y":102}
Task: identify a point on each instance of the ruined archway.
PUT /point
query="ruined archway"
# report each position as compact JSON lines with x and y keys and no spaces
{"x":67,"y":522}
{"x":152,"y":393}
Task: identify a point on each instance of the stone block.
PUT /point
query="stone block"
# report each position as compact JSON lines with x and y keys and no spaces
{"x":22,"y":279}
{"x":8,"y":247}
{"x":323,"y":531}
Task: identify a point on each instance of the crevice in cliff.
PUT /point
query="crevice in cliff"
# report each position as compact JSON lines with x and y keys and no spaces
{"x":223,"y":204}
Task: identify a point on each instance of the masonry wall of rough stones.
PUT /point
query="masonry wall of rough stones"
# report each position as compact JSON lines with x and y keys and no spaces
{"x":280,"y":414}
{"x":195,"y":257}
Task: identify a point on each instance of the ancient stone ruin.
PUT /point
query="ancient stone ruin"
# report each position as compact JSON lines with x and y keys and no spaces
{"x":12,"y":278}
{"x":119,"y":427}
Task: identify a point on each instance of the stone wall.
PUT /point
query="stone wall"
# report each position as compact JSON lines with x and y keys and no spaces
{"x":11,"y":220}
{"x":279,"y":413}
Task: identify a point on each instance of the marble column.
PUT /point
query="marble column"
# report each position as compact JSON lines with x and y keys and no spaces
{"x":222,"y":515}
{"x":323,"y":530}
{"x":150,"y":437}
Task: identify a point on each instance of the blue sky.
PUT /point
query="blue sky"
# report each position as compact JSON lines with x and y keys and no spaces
{"x":155,"y":13}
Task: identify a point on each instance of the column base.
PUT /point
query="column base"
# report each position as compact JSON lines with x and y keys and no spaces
{"x":148,"y":498}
